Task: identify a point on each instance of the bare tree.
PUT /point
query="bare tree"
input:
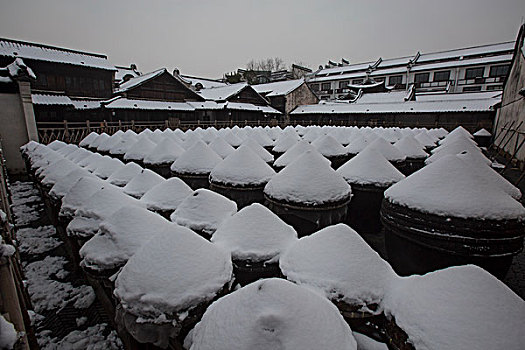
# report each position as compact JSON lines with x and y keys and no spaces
{"x":268,"y":64}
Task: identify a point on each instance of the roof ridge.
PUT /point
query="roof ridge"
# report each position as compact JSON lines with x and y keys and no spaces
{"x":28,"y":43}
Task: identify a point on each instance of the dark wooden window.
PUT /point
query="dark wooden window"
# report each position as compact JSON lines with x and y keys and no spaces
{"x":69,"y":82}
{"x":499,"y":71}
{"x":395,"y":79}
{"x":41,"y":79}
{"x":343,"y":84}
{"x":442,"y":76}
{"x":357,"y":81}
{"x":473,"y":73}
{"x":471,"y":88}
{"x":314,"y":87}
{"x":494,"y":87}
{"x":326,"y":86}
{"x":422,"y":78}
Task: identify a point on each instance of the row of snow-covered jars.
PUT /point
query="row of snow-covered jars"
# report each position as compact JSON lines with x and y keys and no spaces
{"x":455,"y":210}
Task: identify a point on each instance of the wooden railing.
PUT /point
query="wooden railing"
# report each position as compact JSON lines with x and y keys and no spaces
{"x":74,"y":132}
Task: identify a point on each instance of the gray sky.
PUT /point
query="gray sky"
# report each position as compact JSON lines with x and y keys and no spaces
{"x":209,"y":38}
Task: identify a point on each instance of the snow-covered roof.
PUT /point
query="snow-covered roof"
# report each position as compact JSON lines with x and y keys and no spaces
{"x":250,"y":107}
{"x":439,"y":96}
{"x":86,"y":104}
{"x":221,"y":93}
{"x":123,"y":71}
{"x":384,"y":97}
{"x":45,"y":99}
{"x":279,"y":88}
{"x":141,"y":79}
{"x":456,"y":57}
{"x":206,"y":105}
{"x":125,"y":103}
{"x":464,"y":62}
{"x":441,"y":103}
{"x":206,"y":83}
{"x":468,"y":51}
{"x":14,"y":48}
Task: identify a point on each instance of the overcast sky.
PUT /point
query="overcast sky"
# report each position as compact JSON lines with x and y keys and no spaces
{"x":209,"y":38}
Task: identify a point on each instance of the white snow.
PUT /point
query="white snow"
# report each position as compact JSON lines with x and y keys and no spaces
{"x":482,"y":132}
{"x":140,"y":149}
{"x":166,"y":195}
{"x":460,"y":307}
{"x":221,"y":147}
{"x":340,"y":263}
{"x":425,"y":139}
{"x":411,"y":148}
{"x":254,"y":234}
{"x":286,"y":141}
{"x":328,"y":146}
{"x":124,"y":175}
{"x":204,"y":210}
{"x":388,"y":150}
{"x":450,"y":187}
{"x":107,"y":166}
{"x":293,"y":153}
{"x":84,"y":188}
{"x":86,"y":141}
{"x":3,"y":216}
{"x":272,"y":314}
{"x":166,"y":152}
{"x":98,"y":140}
{"x":120,"y":235}
{"x":242,"y":167}
{"x":357,"y":144}
{"x":8,"y":334}
{"x":37,"y":240}
{"x":56,"y":171}
{"x":92,"y":338}
{"x":105,"y":202}
{"x":489,"y":174}
{"x":366,"y":343}
{"x":198,"y":159}
{"x":370,"y":167}
{"x":259,"y":150}
{"x":308,"y":180}
{"x":172,"y":273}
{"x":142,"y":182}
{"x":230,"y":137}
{"x":62,"y":187}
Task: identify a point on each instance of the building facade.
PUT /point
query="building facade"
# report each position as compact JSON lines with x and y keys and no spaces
{"x":478,"y":68}
{"x":509,"y":128}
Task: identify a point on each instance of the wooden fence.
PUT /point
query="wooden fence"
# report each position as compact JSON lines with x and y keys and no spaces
{"x":74,"y":132}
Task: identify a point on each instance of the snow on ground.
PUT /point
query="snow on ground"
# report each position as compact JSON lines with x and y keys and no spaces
{"x":37,"y":240}
{"x":97,"y":337}
{"x":54,"y":290}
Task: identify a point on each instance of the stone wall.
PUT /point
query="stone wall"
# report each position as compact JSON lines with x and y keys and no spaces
{"x":13,"y":131}
{"x":300,"y":96}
